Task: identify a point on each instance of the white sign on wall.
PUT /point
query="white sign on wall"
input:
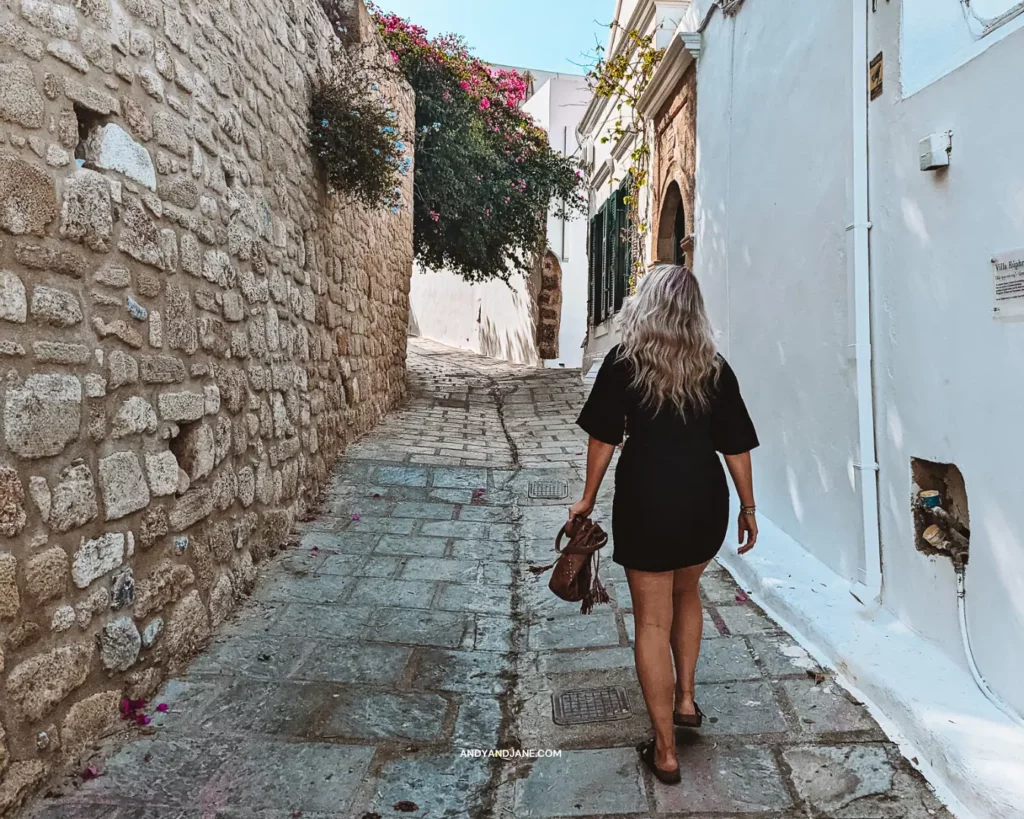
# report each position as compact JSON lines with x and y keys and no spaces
{"x":1008,"y":279}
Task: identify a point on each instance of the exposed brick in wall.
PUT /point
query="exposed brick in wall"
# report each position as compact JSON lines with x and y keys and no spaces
{"x":190,"y":331}
{"x":675,"y":160}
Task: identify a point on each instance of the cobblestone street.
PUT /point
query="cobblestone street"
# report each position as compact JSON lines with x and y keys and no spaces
{"x":403,"y":627}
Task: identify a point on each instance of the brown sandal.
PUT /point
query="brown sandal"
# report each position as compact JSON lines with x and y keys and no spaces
{"x":688,"y":720}
{"x":646,"y":751}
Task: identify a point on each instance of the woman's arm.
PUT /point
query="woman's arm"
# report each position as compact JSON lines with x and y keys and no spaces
{"x":743,"y":478}
{"x":599,"y":455}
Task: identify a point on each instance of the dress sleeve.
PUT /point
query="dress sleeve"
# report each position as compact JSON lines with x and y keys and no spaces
{"x":732,"y":431}
{"x":604,"y":415}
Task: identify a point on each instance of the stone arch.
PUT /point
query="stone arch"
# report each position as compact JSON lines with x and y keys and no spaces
{"x":549,"y":306}
{"x":672,"y":227}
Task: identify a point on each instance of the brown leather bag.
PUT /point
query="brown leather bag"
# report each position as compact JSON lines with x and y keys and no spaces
{"x":575,"y":578}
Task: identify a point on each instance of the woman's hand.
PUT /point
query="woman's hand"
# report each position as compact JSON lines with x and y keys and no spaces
{"x":581,"y":509}
{"x":747,"y":527}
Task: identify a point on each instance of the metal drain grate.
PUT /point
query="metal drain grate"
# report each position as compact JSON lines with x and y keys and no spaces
{"x":590,"y":705}
{"x":549,"y":490}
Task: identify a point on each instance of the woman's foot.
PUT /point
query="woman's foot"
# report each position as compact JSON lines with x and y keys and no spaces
{"x":687,"y":713}
{"x":661,"y":761}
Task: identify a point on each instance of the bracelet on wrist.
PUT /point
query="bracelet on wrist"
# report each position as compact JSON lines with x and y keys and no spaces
{"x":748,"y":510}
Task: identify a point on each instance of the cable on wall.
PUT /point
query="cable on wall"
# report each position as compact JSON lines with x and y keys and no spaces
{"x":988,"y":24}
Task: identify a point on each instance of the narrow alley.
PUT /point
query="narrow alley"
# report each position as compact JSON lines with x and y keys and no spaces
{"x":402,"y":629}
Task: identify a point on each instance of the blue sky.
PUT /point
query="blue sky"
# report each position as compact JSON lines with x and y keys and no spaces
{"x":548,"y":35}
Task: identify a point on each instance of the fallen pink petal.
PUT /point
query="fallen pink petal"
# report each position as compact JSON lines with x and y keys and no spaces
{"x":355,"y":517}
{"x":162,"y":708}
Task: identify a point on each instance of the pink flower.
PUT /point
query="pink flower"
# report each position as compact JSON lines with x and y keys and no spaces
{"x":435,"y":215}
{"x":162,"y":708}
{"x":447,"y":96}
{"x":394,"y":56}
{"x":485,"y":104}
{"x":488,"y":211}
{"x":465,"y":85}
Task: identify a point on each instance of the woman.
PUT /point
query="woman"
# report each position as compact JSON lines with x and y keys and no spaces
{"x":680,"y":403}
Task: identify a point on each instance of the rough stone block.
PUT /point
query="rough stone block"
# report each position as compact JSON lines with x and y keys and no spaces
{"x":134,"y":417}
{"x":123,"y":369}
{"x":39,"y":491}
{"x":162,"y":469}
{"x":120,"y":643}
{"x":170,"y":132}
{"x":195,"y":450}
{"x":164,"y":584}
{"x":55,"y":19}
{"x":13,"y":306}
{"x":188,"y":629}
{"x":86,"y":214}
{"x":162,"y":369}
{"x":58,"y":352}
{"x":191,"y":508}
{"x":180,"y":321}
{"x":122,"y":485}
{"x":10,"y":599}
{"x":120,"y":329}
{"x":43,"y":415}
{"x":73,"y":503}
{"x":28,"y":198}
{"x":20,"y":102}
{"x":39,"y":684}
{"x":112,"y":148}
{"x":87,"y":721}
{"x":57,"y":307}
{"x":97,"y":557}
{"x":12,"y":502}
{"x":91,"y":98}
{"x":46,"y":575}
{"x":181,"y":406}
{"x":140,"y":237}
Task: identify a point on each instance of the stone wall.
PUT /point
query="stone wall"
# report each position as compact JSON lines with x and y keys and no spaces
{"x":675,"y":160}
{"x":190,"y":331}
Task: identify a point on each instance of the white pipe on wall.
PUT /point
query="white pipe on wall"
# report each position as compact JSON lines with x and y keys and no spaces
{"x":860,"y":228}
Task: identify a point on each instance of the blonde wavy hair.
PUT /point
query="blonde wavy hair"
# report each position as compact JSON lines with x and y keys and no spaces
{"x":667,"y":337}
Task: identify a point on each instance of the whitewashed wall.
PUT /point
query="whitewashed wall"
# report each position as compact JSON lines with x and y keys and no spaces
{"x":773,"y":202}
{"x":496,"y":319}
{"x":950,"y":378}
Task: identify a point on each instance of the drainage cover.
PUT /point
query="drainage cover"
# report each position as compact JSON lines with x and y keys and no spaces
{"x":549,"y":490}
{"x":590,"y":705}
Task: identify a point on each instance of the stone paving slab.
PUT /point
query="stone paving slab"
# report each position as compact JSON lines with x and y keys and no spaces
{"x":404,"y":631}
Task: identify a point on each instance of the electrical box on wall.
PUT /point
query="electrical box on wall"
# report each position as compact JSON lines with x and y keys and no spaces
{"x":935,"y":151}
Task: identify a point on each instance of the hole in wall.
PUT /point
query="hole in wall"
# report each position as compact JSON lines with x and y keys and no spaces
{"x":942,"y":518}
{"x":89,"y":124}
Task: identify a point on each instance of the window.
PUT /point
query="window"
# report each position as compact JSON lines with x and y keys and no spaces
{"x":610,"y":257}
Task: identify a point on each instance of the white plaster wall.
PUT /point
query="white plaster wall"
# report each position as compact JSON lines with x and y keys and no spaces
{"x":567,"y":238}
{"x":773,"y":202}
{"x":494,"y":318}
{"x":950,"y":378}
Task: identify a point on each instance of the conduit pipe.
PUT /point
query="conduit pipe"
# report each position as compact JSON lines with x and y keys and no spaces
{"x":860,"y":228}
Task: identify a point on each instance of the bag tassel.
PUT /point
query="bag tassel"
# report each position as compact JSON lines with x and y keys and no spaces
{"x":541,"y":569}
{"x":597,"y":595}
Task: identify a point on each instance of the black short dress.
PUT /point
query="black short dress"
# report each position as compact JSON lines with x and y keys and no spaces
{"x":671,"y":507}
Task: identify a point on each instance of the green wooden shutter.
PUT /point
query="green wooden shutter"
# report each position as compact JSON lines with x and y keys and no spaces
{"x":621,"y":249}
{"x":610,"y":247}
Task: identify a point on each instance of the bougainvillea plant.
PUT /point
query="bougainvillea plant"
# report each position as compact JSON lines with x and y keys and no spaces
{"x":486,"y":175}
{"x":354,"y":132}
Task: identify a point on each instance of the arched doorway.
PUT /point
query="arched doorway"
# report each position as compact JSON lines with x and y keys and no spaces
{"x":672,"y":227}
{"x":549,"y":306}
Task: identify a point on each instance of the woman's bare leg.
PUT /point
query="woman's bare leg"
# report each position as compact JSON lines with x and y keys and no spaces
{"x":652,"y":612}
{"x":687,"y":629}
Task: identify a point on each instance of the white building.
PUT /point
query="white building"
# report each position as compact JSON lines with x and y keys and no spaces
{"x":851,"y":276}
{"x":540,"y":320}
